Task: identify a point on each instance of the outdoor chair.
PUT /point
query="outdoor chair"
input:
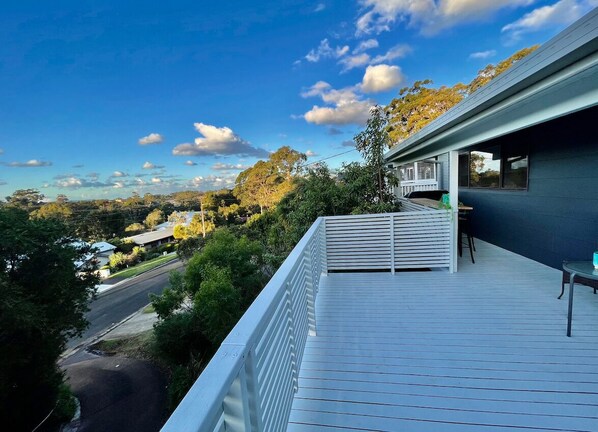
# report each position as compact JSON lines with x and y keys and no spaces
{"x":465,"y":228}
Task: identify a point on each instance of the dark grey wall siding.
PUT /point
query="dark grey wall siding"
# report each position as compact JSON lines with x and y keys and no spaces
{"x":557,"y":217}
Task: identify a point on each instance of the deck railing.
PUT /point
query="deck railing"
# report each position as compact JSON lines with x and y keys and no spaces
{"x":417,"y":185}
{"x":250,"y":383}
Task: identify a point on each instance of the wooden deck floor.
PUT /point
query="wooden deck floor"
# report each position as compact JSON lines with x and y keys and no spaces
{"x":480,"y":350}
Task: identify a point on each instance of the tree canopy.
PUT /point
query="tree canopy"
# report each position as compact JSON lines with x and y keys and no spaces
{"x":265,"y":183}
{"x":45,"y":286}
{"x":420,"y":104}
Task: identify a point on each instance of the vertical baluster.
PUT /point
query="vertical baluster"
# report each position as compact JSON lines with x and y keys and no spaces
{"x":392,"y":243}
{"x":292,"y":337}
{"x":254,"y":399}
{"x":311,"y":297}
{"x":236,"y":405}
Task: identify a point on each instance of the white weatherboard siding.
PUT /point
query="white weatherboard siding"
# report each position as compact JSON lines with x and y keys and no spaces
{"x":483,"y":349}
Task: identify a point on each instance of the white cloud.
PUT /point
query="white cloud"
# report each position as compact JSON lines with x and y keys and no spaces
{"x":1,"y":151}
{"x":212,"y":181}
{"x":156,"y":180}
{"x":148,"y":165}
{"x":347,"y":106}
{"x":218,"y":141}
{"x":118,"y":185}
{"x":324,"y":50}
{"x":70,"y":181}
{"x":354,"y":61}
{"x":381,"y":78}
{"x":119,"y":174}
{"x":398,"y":51}
{"x":219,"y":166}
{"x":311,"y":153}
{"x":320,"y":7}
{"x":33,"y":163}
{"x":190,"y":163}
{"x":429,"y":16}
{"x":561,"y":13}
{"x":153,"y":138}
{"x":482,"y":54}
{"x":366,"y":45}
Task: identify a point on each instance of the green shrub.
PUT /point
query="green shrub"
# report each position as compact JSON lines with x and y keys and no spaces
{"x":66,"y":405}
{"x":179,"y":337}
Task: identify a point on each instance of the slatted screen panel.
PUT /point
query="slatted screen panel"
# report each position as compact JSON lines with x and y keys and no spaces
{"x":358,"y":242}
{"x":422,"y":239}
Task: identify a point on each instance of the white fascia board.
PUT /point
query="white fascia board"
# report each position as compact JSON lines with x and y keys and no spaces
{"x":572,"y":89}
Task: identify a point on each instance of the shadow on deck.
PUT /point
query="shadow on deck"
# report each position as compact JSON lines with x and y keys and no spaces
{"x":483,"y":349}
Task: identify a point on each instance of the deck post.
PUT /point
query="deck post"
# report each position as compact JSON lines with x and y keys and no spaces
{"x":454,"y":201}
{"x":254,"y":402}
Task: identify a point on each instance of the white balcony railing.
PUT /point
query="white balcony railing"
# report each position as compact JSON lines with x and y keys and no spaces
{"x":250,"y":383}
{"x":418,"y":185}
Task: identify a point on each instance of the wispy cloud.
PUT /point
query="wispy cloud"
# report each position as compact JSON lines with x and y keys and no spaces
{"x":153,"y":138}
{"x":311,"y":153}
{"x":320,"y":7}
{"x":33,"y":163}
{"x":561,"y":13}
{"x":190,"y":163}
{"x":119,"y":174}
{"x":428,"y":16}
{"x":348,"y":143}
{"x":366,"y":45}
{"x":361,"y":59}
{"x":334,"y":131}
{"x":218,"y":141}
{"x":324,"y":50}
{"x":481,"y":55}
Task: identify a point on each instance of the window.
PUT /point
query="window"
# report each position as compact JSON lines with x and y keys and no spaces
{"x":425,"y":171}
{"x":515,"y":172}
{"x":493,"y":168}
{"x":407,"y":172}
{"x":484,"y":168}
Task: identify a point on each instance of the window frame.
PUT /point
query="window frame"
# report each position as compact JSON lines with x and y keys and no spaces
{"x":506,"y":151}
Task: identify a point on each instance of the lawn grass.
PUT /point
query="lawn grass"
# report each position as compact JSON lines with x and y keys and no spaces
{"x":143,"y":267}
{"x":139,"y":346}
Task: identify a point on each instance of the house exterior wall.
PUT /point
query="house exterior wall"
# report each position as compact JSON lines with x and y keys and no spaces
{"x":556,"y":218}
{"x":443,"y":178}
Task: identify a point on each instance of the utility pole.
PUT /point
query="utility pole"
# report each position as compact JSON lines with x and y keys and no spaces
{"x":203,"y":221}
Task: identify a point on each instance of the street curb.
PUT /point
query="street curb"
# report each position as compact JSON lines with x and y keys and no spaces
{"x":96,"y":337}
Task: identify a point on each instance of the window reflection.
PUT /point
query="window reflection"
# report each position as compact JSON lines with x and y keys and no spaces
{"x":485,"y":168}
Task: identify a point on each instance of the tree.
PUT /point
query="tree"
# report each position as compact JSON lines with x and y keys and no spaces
{"x":492,"y":71}
{"x":134,"y":228}
{"x":154,"y":218}
{"x":372,"y":143}
{"x":43,"y":298}
{"x":25,"y":198}
{"x":266,"y":182}
{"x":418,"y":105}
{"x":53,"y":210}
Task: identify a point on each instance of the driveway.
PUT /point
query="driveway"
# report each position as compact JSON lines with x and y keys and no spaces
{"x":118,"y":394}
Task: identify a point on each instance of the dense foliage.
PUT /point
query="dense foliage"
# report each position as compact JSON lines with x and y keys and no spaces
{"x":45,"y":287}
{"x":419,"y":104}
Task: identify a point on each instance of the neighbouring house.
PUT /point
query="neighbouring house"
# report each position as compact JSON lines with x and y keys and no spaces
{"x":104,"y":251}
{"x":153,"y":238}
{"x":523,"y":151}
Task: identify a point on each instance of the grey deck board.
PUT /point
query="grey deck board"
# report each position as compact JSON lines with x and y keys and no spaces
{"x":483,"y":349}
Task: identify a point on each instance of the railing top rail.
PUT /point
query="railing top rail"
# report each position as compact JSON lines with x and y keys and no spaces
{"x":199,"y":410}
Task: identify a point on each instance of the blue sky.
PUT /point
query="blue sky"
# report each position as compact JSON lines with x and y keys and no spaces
{"x":103,"y":98}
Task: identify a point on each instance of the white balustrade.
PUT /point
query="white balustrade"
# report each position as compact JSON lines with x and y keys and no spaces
{"x":250,"y":383}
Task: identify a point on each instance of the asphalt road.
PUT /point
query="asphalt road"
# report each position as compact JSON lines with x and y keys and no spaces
{"x":118,"y":394}
{"x":114,"y":305}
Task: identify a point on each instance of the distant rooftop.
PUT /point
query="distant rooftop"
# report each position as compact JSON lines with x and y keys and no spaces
{"x":152,"y":236}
